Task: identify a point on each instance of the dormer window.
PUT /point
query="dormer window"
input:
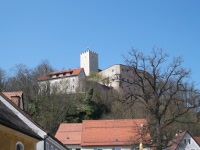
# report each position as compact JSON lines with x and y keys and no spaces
{"x":68,"y":74}
{"x":53,"y":76}
{"x":60,"y":75}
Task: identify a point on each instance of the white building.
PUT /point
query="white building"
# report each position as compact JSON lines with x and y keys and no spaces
{"x":89,"y":61}
{"x":184,"y":141}
{"x":119,"y":77}
{"x":62,"y":81}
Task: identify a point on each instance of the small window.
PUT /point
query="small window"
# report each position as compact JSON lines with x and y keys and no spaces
{"x":19,"y":146}
{"x":185,"y":141}
{"x":60,"y":75}
{"x":54,"y":76}
{"x":113,"y":70}
{"x":116,"y":148}
{"x":188,"y":141}
{"x":51,"y":147}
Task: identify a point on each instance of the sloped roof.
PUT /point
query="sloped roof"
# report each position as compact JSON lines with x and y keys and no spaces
{"x":10,"y":122}
{"x":104,"y":132}
{"x":64,"y":73}
{"x":173,"y":144}
{"x":113,"y":132}
{"x":69,"y":133}
{"x":197,"y":139}
{"x":12,"y":94}
{"x":9,"y":119}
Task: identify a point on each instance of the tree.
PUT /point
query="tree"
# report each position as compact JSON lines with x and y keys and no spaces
{"x":2,"y":79}
{"x":25,"y":79}
{"x":161,"y":89}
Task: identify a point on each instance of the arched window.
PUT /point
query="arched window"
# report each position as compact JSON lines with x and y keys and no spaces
{"x":19,"y":146}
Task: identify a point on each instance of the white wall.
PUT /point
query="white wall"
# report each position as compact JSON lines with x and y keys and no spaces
{"x":89,"y":61}
{"x":73,"y":147}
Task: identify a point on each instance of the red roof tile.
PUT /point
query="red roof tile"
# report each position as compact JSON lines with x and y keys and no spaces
{"x":64,"y":73}
{"x":10,"y":96}
{"x":69,"y":133}
{"x":113,"y":132}
{"x":103,"y":132}
{"x":197,"y":139}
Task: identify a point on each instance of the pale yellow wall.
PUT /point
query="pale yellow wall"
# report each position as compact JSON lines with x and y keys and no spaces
{"x":9,"y":138}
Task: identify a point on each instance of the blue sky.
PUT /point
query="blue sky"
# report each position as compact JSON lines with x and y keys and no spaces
{"x":59,"y":30}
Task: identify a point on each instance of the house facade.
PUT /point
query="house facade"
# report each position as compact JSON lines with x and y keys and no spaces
{"x":120,"y":77}
{"x":65,"y":81}
{"x":184,"y":141}
{"x":21,"y":131}
{"x":122,"y":134}
{"x":14,"y":133}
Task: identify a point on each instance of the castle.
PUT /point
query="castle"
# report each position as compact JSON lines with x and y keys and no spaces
{"x":70,"y":80}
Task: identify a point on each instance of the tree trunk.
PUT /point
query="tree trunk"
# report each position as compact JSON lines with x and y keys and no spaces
{"x":158,"y":135}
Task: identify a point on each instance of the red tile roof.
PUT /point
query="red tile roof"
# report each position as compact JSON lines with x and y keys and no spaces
{"x":10,"y":96}
{"x":104,"y":132}
{"x":63,"y":73}
{"x":197,"y":139}
{"x":69,"y":133}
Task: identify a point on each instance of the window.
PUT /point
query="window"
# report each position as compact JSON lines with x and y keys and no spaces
{"x":188,"y":141}
{"x":19,"y":146}
{"x":185,"y":141}
{"x":98,"y":148}
{"x":112,"y":70}
{"x":51,"y":147}
{"x":116,"y":148}
{"x":60,"y":75}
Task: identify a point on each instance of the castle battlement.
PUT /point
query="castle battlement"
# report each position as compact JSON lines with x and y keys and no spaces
{"x":90,"y":51}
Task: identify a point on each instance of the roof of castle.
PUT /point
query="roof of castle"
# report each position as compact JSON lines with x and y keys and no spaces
{"x":60,"y":74}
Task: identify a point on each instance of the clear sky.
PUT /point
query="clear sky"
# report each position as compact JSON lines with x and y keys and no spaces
{"x":59,"y":30}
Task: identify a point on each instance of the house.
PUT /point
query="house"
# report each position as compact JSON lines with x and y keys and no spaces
{"x":121,"y":134}
{"x":14,"y":133}
{"x":19,"y":131}
{"x":62,"y":81}
{"x":184,"y":141}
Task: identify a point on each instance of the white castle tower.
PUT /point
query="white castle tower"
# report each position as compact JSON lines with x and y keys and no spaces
{"x":89,"y":61}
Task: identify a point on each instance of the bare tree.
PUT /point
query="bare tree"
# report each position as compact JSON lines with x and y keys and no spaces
{"x":2,"y":79}
{"x":162,"y":90}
